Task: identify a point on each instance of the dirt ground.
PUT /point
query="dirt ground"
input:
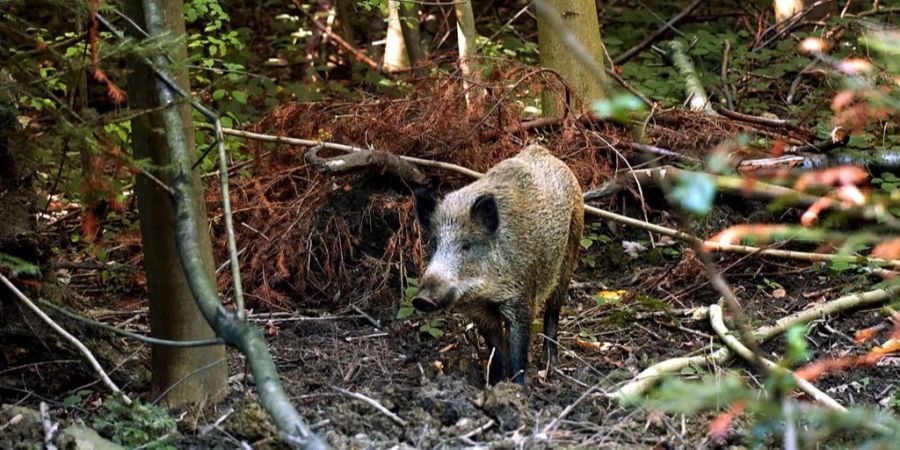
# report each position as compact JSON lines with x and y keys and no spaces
{"x":435,"y":385}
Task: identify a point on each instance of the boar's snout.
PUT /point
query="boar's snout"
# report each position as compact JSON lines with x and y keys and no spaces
{"x":432,"y":297}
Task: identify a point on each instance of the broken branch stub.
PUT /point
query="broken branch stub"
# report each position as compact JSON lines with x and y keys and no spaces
{"x":365,"y":160}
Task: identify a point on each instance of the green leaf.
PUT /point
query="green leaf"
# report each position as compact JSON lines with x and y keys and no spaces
{"x":19,"y":266}
{"x":586,"y":243}
{"x":218,"y":94}
{"x":239,"y":97}
{"x":405,"y":312}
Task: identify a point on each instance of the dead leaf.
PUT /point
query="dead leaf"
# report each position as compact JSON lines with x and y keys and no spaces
{"x":891,"y":346}
{"x":592,"y":345}
{"x":779,"y":293}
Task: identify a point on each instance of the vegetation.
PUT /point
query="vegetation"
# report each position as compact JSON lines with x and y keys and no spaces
{"x":737,"y":282}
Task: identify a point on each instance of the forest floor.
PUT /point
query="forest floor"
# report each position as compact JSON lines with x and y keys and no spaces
{"x":435,"y":384}
{"x":328,"y":264}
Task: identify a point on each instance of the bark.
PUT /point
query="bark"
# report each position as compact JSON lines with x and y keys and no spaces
{"x":409,"y":24}
{"x":173,"y":313}
{"x":395,"y":55}
{"x":344,"y":16}
{"x":579,"y":18}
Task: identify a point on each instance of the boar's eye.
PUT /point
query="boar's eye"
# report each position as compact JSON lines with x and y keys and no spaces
{"x":466,"y":246}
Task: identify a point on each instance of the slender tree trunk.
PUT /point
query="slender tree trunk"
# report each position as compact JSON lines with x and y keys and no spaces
{"x":784,"y":9}
{"x":466,"y":35}
{"x":409,"y":24}
{"x":198,"y":374}
{"x":395,"y":55}
{"x":580,"y":19}
{"x":344,"y":14}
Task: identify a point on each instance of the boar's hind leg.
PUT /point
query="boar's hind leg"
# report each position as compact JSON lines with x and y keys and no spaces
{"x":560,"y":293}
{"x":519,"y":335}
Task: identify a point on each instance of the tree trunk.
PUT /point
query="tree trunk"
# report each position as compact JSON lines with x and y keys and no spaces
{"x":580,"y":19}
{"x":409,"y":24}
{"x":173,"y":313}
{"x":344,"y":15}
{"x":784,"y":9}
{"x":466,"y":35}
{"x":395,"y":55}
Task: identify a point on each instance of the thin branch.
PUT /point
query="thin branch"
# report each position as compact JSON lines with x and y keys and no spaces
{"x":630,"y":53}
{"x":718,"y":325}
{"x":360,"y":56}
{"x":126,"y":333}
{"x":725,"y":89}
{"x":67,"y":336}
{"x":374,"y":403}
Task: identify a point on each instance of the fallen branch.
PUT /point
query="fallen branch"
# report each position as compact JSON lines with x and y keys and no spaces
{"x":362,"y":160}
{"x":374,"y":403}
{"x":67,"y":336}
{"x":693,"y":88}
{"x":858,"y":300}
{"x":650,"y":376}
{"x":733,"y":343}
{"x":665,"y":231}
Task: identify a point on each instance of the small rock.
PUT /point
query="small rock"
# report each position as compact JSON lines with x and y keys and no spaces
{"x":80,"y":437}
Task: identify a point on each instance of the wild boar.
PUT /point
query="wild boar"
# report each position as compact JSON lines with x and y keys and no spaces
{"x":504,"y":246}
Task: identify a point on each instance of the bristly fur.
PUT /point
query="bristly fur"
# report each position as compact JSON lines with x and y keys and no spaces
{"x":507,"y":244}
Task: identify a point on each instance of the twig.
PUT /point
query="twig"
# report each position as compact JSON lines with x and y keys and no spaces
{"x":369,"y":318}
{"x":374,"y":403}
{"x":49,"y":427}
{"x":725,"y":89}
{"x":718,"y":325}
{"x":628,"y":87}
{"x":478,"y":430}
{"x":206,"y":429}
{"x":126,"y":333}
{"x":360,"y":56}
{"x":565,"y":412}
{"x":67,"y":336}
{"x":630,"y":53}
{"x":165,"y":392}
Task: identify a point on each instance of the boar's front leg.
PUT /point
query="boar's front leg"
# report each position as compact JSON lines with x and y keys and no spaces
{"x":518,"y":335}
{"x":492,"y":332}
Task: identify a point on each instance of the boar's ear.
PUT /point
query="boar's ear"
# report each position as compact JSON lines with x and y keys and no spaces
{"x":484,"y":212}
{"x":425,"y":205}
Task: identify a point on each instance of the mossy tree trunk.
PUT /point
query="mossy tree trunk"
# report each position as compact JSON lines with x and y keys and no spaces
{"x":580,"y":20}
{"x":174,"y":315}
